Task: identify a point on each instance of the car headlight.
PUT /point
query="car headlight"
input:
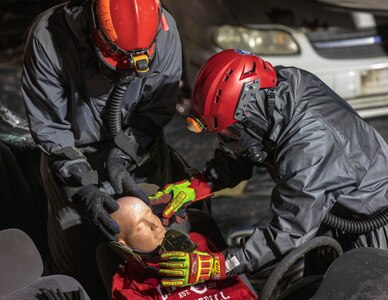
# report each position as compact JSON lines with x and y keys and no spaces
{"x":258,"y":41}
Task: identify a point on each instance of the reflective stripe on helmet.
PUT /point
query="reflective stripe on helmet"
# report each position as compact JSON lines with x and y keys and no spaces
{"x":105,"y":18}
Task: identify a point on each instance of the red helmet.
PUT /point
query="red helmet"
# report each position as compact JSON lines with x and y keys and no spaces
{"x":219,"y":84}
{"x":124,"y":32}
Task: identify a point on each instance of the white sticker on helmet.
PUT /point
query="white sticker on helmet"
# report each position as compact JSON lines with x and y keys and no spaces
{"x":244,"y":52}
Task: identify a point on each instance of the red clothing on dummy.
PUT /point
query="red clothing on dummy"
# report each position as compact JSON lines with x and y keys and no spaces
{"x":134,"y":282}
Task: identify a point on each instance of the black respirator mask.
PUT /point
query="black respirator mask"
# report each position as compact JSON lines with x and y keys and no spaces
{"x":240,"y":141}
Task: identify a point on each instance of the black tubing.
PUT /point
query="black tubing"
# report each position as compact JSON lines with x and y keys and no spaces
{"x":292,"y":257}
{"x":115,"y":101}
{"x":356,"y":226}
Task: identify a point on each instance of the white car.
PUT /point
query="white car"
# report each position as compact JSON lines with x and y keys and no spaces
{"x":347,"y":49}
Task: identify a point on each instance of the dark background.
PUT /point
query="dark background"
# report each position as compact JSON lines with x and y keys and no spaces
{"x":245,"y":206}
{"x":22,"y":201}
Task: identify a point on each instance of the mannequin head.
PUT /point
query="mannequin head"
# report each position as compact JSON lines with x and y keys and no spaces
{"x":140,"y":229}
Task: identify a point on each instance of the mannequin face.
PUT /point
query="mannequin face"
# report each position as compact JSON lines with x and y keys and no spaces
{"x":140,"y":229}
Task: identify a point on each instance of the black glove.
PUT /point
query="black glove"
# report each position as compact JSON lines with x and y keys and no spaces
{"x":122,"y":182}
{"x":118,"y":164}
{"x":57,"y":294}
{"x":119,"y":176}
{"x":98,"y":206}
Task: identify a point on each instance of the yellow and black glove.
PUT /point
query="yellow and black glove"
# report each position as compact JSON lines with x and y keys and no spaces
{"x":182,"y":193}
{"x":181,"y":268}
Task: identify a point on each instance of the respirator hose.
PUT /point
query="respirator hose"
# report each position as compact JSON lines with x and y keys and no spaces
{"x":115,"y":100}
{"x":356,"y":226}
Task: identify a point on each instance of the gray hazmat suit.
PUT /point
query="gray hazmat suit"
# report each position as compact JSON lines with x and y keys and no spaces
{"x":326,"y":158}
{"x":66,"y":94}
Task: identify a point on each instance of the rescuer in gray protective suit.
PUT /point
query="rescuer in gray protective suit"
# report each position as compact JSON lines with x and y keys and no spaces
{"x":100,"y":80}
{"x":330,"y":167}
